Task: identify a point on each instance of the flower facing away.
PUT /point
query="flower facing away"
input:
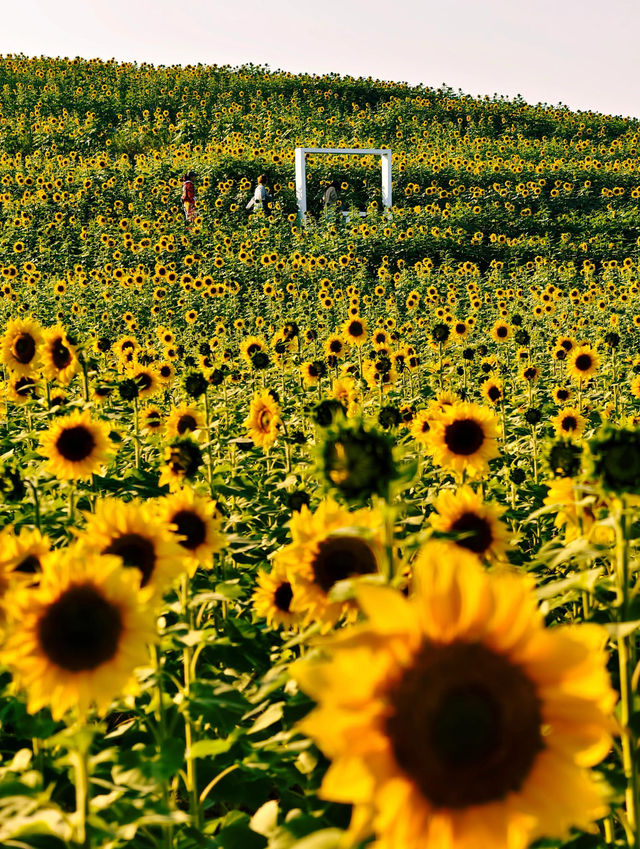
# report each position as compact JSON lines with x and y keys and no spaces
{"x":76,"y":446}
{"x":76,"y":639}
{"x":475,"y":523}
{"x":453,"y":719}
{"x":464,"y":438}
{"x":330,"y":545}
{"x":264,"y":420}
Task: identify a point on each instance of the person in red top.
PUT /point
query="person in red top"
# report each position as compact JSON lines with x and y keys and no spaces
{"x":189,"y":197}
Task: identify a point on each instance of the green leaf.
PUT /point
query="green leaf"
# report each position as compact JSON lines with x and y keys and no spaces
{"x":211,"y":748}
{"x":271,"y":715}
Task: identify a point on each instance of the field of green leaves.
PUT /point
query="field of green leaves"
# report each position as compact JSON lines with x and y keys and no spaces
{"x":315,"y":536}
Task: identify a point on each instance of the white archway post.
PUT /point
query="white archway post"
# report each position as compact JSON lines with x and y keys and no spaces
{"x":301,"y":171}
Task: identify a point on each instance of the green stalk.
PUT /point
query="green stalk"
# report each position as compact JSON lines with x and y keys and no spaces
{"x":629,"y":738}
{"x":192,"y":781}
{"x":81,"y":767}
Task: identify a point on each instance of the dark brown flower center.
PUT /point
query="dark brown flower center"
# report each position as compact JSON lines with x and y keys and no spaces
{"x":24,"y":348}
{"x":475,"y":532}
{"x":75,"y":443}
{"x":494,"y":393}
{"x":137,"y":551}
{"x":144,"y":380}
{"x":24,"y":387}
{"x":80,"y":630}
{"x":60,"y":354}
{"x":460,"y":328}
{"x":463,"y":436}
{"x":356,"y":328}
{"x":335,"y":346}
{"x":502,"y":332}
{"x":185,"y":423}
{"x":583,"y":362}
{"x":464,"y":724}
{"x":30,"y":565}
{"x":562,"y":394}
{"x":191,"y":527}
{"x":342,"y":557}
{"x":569,"y":423}
{"x":283,"y":596}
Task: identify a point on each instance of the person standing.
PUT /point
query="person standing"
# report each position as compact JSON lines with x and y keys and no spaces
{"x":330,"y":199}
{"x":261,"y":196}
{"x":189,"y":197}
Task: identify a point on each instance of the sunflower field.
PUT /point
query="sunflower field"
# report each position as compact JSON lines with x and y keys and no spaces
{"x":315,"y":536}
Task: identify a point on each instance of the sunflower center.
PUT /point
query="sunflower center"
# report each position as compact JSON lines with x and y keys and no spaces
{"x":190,"y":526}
{"x":144,"y":380}
{"x":185,"y":423}
{"x":502,"y":332}
{"x":569,"y":423}
{"x":476,"y":530}
{"x":583,"y":362}
{"x":283,"y":596}
{"x":75,"y":443}
{"x":494,"y":393}
{"x":465,"y":724}
{"x":335,"y":346}
{"x":463,"y":436}
{"x":29,"y":565}
{"x":342,"y":557}
{"x":24,"y":348}
{"x":562,"y":394}
{"x":60,"y":354}
{"x":80,"y":630}
{"x":355,"y":328}
{"x":264,"y":421}
{"x":137,"y":551}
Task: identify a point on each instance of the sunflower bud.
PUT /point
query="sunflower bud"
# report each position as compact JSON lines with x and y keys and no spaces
{"x":565,"y":458}
{"x":195,"y":384}
{"x":616,"y":460}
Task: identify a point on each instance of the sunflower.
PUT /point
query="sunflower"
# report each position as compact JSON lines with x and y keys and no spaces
{"x":184,"y":420}
{"x":501,"y":331}
{"x":76,"y":639}
{"x":22,"y":389}
{"x":454,"y":719}
{"x":264,"y":420}
{"x":475,"y":524}
{"x":493,"y":390}
{"x":147,"y":380}
{"x":355,"y":329}
{"x":328,"y":546}
{"x":335,"y":346}
{"x":345,"y":390}
{"x":152,"y":419}
{"x":272,"y":599}
{"x":21,"y":345}
{"x":251,"y":346}
{"x":59,"y":360}
{"x":76,"y":446}
{"x":561,"y":394}
{"x":196,"y":522}
{"x":464,"y":438}
{"x":23,"y":553}
{"x":183,"y":459}
{"x":126,"y":349}
{"x":582,"y":363}
{"x":569,"y":422}
{"x":132,"y":532}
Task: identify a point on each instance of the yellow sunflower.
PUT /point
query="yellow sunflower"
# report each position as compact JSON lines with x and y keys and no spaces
{"x":475,"y":523}
{"x":252,"y":345}
{"x":184,"y":420}
{"x":272,"y":599}
{"x":345,"y":390}
{"x":569,"y":422}
{"x":453,"y":719}
{"x":355,"y":330}
{"x":493,"y":390}
{"x":59,"y":360}
{"x":328,"y":546}
{"x":23,"y":553}
{"x":582,"y":363}
{"x":133,"y":532}
{"x":22,"y":389}
{"x":76,"y":639}
{"x":147,"y":380}
{"x":76,"y":446}
{"x":21,"y":346}
{"x":264,"y":420}
{"x":196,"y":523}
{"x":501,"y":331}
{"x":464,"y":438}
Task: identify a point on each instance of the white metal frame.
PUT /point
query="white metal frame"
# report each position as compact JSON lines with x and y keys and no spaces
{"x":301,"y":170}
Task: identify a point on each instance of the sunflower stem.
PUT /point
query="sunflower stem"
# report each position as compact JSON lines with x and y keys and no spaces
{"x":629,"y":739}
{"x":136,"y":433}
{"x":79,"y":758}
{"x":207,"y":414}
{"x":162,"y":736}
{"x":192,"y":782}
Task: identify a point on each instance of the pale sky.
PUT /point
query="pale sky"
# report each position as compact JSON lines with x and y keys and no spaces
{"x":584,"y":54}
